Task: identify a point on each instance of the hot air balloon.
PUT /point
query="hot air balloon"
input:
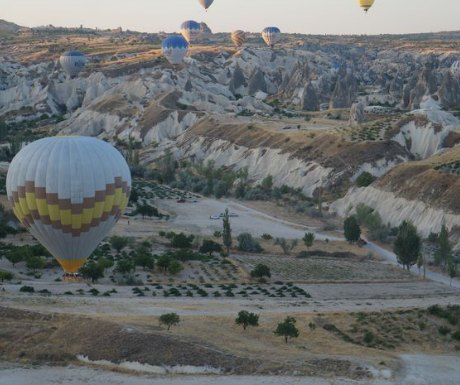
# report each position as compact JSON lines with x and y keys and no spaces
{"x":190,"y":30}
{"x":271,"y":36}
{"x":72,"y":62}
{"x":69,"y":192}
{"x":238,"y":38}
{"x":174,"y":48}
{"x":455,"y":69}
{"x":366,"y":4}
{"x":206,"y":3}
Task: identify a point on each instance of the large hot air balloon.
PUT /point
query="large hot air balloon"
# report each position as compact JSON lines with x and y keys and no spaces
{"x":72,"y":62}
{"x":366,"y":4}
{"x":271,"y":36}
{"x":69,"y":192}
{"x":190,"y":30}
{"x":174,"y":48}
{"x":455,"y":69}
{"x":206,"y":3}
{"x":238,"y":38}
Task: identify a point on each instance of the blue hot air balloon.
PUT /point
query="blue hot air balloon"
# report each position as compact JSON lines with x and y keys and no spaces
{"x":72,"y":62}
{"x":190,"y":30}
{"x":271,"y":36}
{"x":174,"y":48}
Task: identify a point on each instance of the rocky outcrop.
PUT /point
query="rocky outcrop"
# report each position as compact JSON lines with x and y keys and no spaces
{"x":257,"y":83}
{"x":449,"y":92}
{"x":310,"y":100}
{"x":345,"y":91}
{"x":356,"y":114}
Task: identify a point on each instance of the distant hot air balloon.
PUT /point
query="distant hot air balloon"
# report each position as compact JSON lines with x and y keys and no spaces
{"x":190,"y":30}
{"x":69,"y":192}
{"x":174,"y":48}
{"x":72,"y":62}
{"x":455,"y":69}
{"x":206,"y":3}
{"x":366,"y":4}
{"x":238,"y":38}
{"x":271,"y":36}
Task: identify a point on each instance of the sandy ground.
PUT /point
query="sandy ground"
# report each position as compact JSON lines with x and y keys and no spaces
{"x":417,"y":370}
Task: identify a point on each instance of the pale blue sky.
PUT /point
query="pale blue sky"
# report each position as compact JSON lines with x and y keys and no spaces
{"x":303,"y":16}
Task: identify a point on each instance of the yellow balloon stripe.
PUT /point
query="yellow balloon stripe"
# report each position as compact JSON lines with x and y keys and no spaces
{"x":65,"y":217}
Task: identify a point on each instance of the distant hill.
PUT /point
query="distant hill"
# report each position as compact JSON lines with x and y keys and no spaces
{"x":6,"y":26}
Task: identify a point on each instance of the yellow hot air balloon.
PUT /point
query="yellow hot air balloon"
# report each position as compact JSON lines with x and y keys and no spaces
{"x":69,"y":192}
{"x":366,"y":4}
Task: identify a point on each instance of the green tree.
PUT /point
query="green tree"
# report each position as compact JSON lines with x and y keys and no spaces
{"x":134,"y":196}
{"x":407,"y":245}
{"x":124,"y":266}
{"x":246,"y":319}
{"x":144,"y":259}
{"x":267,"y":183}
{"x":247,"y":243}
{"x":182,"y":241}
{"x":167,"y":167}
{"x":365,"y":179}
{"x":169,"y":320}
{"x":351,"y":229}
{"x":118,"y":243}
{"x":175,"y":267}
{"x":452,"y":268}
{"x":5,"y":276}
{"x":210,"y":247}
{"x":287,"y":329}
{"x":35,"y":263}
{"x":163,"y":262}
{"x":308,"y":239}
{"x":227,"y":232}
{"x":92,"y":270}
{"x":261,"y":271}
{"x":146,"y":210}
{"x":444,"y":251}
{"x":286,"y":246}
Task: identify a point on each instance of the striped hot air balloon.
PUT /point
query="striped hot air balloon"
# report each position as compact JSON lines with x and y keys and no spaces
{"x":69,"y":192}
{"x":206,"y":3}
{"x":238,"y":38}
{"x":271,"y":36}
{"x":72,"y":62}
{"x":175,"y":48}
{"x":190,"y":30}
{"x":455,"y":69}
{"x":366,"y":4}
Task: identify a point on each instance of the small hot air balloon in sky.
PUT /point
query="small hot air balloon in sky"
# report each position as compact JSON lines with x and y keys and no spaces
{"x":238,"y":38}
{"x":366,"y":4}
{"x":72,"y":62}
{"x":271,"y":36}
{"x":206,"y":3}
{"x":455,"y":69}
{"x":190,"y":30}
{"x":174,"y":48}
{"x":69,"y":192}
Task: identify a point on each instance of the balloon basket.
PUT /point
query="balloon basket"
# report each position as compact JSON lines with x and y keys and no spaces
{"x":72,"y":277}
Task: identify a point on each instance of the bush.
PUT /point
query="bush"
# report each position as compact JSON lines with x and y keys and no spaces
{"x":456,"y":336}
{"x":261,"y":271}
{"x":5,"y":276}
{"x":27,"y":289}
{"x":267,"y":237}
{"x":443,"y":330}
{"x":365,"y":179}
{"x":169,"y":319}
{"x":182,"y":241}
{"x":247,"y":243}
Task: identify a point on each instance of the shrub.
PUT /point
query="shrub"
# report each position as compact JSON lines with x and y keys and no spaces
{"x":261,"y":271}
{"x":247,"y":243}
{"x":169,"y":319}
{"x":365,"y":179}
{"x":443,"y":330}
{"x":27,"y":289}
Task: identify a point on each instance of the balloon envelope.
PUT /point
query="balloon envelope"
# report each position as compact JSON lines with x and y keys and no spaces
{"x":366,"y":4}
{"x":72,"y":62}
{"x":206,"y":3}
{"x":174,"y":49}
{"x":271,"y":35}
{"x":69,"y":192}
{"x":238,"y":38}
{"x":190,"y":30}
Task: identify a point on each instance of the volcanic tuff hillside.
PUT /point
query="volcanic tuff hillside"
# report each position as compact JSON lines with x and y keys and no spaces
{"x":284,"y":112}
